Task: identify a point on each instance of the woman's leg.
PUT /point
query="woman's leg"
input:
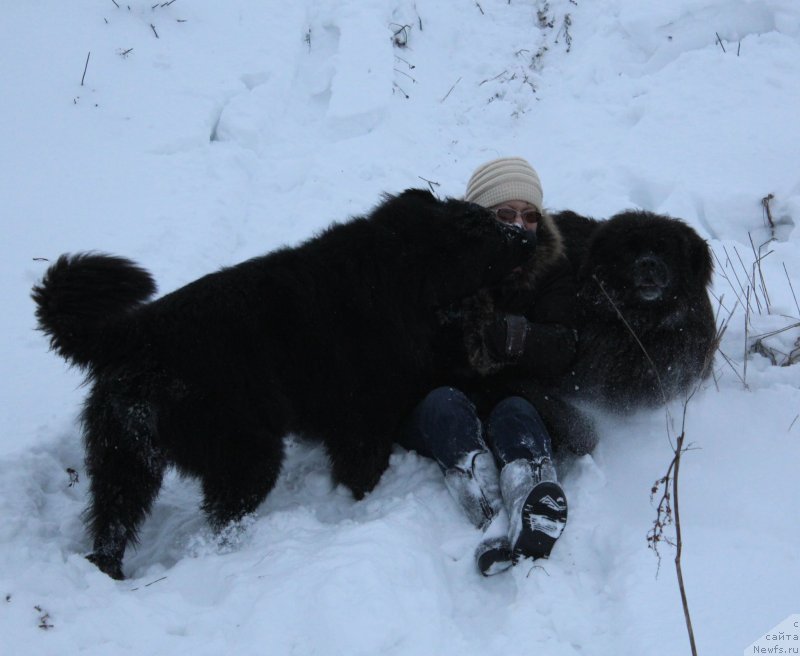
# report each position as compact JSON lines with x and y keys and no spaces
{"x":536,"y":503}
{"x":445,"y":427}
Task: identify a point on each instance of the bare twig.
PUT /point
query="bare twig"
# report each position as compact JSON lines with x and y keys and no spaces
{"x":679,"y":546}
{"x":719,"y":40}
{"x":431,"y":183}
{"x":768,"y":212}
{"x":85,"y":66}
{"x":153,"y":27}
{"x":757,"y":265}
{"x":451,"y":90}
{"x":147,"y":585}
{"x":477,"y":4}
{"x":44,"y":618}
{"x":490,"y":79}
{"x":750,"y":275}
{"x":794,"y":296}
{"x":400,"y":89}
{"x":411,"y":66}
{"x":400,"y":35}
{"x":746,"y":333}
{"x":668,"y":512}
{"x":397,"y":70}
{"x":735,"y":370}
{"x":735,"y":275}
{"x":721,"y":269}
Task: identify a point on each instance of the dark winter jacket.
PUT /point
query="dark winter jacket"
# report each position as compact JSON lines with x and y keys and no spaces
{"x":545,"y":294}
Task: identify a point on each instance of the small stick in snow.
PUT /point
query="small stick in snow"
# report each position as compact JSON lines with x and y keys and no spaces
{"x":115,"y":3}
{"x":747,"y":311}
{"x":411,"y":66}
{"x":490,"y":79}
{"x":451,"y":90}
{"x":397,"y":70}
{"x":789,"y":280}
{"x":757,"y":263}
{"x":719,"y":40}
{"x":400,"y":35}
{"x":477,"y":4}
{"x":85,"y":66}
{"x":400,"y":89}
{"x":153,"y":27}
{"x":721,"y":269}
{"x":431,"y":183}
{"x":147,"y":585}
{"x":790,"y":428}
{"x":768,"y":212}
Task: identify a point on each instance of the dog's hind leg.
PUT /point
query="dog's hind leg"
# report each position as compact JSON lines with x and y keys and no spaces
{"x":125,"y":469}
{"x":358,"y":458}
{"x":242,"y":477}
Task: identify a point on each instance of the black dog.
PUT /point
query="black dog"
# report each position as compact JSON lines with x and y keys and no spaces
{"x":331,"y":340}
{"x":646,"y":328}
{"x":647,"y":332}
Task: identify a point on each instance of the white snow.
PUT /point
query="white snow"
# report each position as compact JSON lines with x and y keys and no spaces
{"x":244,"y":126}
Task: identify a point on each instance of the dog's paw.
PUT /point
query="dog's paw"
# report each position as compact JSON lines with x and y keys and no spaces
{"x":107,"y":565}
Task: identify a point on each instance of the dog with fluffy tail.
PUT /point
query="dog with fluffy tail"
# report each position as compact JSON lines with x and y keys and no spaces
{"x":332,"y":340}
{"x":80,"y":295}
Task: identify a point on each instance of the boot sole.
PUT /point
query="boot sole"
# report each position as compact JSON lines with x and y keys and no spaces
{"x":544,"y":516}
{"x":495,"y":559}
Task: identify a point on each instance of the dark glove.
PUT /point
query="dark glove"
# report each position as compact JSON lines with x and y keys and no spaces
{"x":544,"y":350}
{"x":506,"y":337}
{"x":549,"y":350}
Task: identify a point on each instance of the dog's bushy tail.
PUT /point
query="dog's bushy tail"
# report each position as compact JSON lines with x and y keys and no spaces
{"x":78,"y":296}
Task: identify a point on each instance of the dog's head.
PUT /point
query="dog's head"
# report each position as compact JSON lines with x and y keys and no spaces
{"x":644,"y":261}
{"x":459,"y":247}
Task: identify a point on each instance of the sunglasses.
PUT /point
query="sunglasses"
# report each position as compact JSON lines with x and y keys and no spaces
{"x":509,"y":215}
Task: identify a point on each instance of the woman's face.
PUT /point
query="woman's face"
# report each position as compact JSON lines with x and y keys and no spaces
{"x":518,"y":212}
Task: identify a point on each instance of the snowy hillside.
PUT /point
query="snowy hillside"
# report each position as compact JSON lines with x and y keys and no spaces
{"x":207,"y":132}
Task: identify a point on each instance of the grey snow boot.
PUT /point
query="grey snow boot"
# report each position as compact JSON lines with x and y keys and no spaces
{"x":474,"y":483}
{"x":493,"y":554}
{"x":537,"y":507}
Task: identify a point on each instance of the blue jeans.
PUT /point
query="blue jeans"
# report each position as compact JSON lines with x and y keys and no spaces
{"x":445,"y":426}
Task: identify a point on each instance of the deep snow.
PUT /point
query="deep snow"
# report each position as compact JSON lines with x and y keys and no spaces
{"x":243,"y":126}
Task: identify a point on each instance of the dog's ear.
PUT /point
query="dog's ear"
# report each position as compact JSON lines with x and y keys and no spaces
{"x":699,"y":254}
{"x":419,"y":195}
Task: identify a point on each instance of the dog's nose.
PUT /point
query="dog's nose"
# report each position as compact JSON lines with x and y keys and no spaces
{"x":650,"y":270}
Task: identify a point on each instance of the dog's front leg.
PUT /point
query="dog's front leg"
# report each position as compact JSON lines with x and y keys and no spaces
{"x":359,"y":464}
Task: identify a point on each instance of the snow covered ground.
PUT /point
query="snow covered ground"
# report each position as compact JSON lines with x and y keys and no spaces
{"x":207,"y":132}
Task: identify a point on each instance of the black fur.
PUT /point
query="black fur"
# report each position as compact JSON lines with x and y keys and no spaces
{"x":330,"y":340}
{"x":654,"y":271}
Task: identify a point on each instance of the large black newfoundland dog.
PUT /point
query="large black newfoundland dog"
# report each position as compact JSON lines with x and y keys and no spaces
{"x":331,"y":340}
{"x":645,"y":324}
{"x":645,"y":321}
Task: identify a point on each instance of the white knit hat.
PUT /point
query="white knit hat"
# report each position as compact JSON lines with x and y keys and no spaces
{"x":502,"y":180}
